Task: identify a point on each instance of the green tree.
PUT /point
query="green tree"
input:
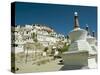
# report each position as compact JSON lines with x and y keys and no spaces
{"x":65,"y":48}
{"x":34,"y":36}
{"x":45,"y":49}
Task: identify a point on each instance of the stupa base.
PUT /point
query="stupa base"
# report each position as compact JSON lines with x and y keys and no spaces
{"x":75,"y":58}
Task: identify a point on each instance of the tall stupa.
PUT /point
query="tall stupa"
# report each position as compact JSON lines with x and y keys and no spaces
{"x":78,"y":37}
{"x":80,"y":52}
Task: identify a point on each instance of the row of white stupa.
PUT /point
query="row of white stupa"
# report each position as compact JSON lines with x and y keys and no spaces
{"x":82,"y":50}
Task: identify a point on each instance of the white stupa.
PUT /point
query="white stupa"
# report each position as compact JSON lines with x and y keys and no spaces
{"x":92,"y":41}
{"x":80,"y":50}
{"x":92,"y":61}
{"x":78,"y":37}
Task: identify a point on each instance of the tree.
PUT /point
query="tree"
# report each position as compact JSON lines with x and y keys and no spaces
{"x":27,"y":46}
{"x":65,"y":48}
{"x":45,"y":49}
{"x":34,"y":36}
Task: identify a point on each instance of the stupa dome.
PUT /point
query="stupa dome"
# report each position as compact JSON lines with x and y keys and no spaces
{"x":79,"y":34}
{"x":91,"y":40}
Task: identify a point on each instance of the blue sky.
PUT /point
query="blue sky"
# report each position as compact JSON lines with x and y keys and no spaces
{"x":59,"y":17}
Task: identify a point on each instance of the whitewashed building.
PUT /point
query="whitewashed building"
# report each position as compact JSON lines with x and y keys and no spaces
{"x":23,"y":34}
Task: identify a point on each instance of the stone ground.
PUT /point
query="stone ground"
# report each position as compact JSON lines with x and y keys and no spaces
{"x":30,"y":67}
{"x":52,"y":65}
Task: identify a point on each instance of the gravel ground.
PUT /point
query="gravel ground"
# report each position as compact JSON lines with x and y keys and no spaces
{"x":30,"y":67}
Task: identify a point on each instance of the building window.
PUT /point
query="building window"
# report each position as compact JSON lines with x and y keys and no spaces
{"x":15,"y":45}
{"x":26,"y":32}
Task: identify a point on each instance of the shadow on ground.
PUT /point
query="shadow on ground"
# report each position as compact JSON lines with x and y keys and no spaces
{"x":71,"y":67}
